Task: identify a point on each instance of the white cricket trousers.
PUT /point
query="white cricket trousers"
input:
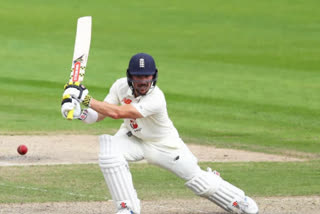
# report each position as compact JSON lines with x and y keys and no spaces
{"x":179,"y":160}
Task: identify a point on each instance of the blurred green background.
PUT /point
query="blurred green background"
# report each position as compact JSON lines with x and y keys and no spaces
{"x":241,"y":74}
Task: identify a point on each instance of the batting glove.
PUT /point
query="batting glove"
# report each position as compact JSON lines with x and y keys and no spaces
{"x":76,"y":91}
{"x":69,"y":104}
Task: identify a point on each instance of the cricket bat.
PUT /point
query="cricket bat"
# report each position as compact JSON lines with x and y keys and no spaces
{"x":81,"y":53}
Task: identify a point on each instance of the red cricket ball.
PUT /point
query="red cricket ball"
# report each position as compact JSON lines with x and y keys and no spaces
{"x":22,"y":149}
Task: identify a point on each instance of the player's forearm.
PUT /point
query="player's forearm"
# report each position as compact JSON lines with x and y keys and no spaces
{"x":103,"y":108}
{"x":114,"y":111}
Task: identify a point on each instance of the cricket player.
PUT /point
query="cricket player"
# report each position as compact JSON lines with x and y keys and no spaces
{"x":146,"y":133}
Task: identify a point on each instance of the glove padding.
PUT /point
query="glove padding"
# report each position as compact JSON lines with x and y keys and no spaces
{"x":78,"y":92}
{"x":69,"y":104}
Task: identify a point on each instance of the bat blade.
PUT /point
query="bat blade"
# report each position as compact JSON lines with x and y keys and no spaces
{"x":81,"y":53}
{"x":81,"y":49}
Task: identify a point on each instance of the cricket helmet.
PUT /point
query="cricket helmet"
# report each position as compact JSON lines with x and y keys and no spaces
{"x":142,"y":64}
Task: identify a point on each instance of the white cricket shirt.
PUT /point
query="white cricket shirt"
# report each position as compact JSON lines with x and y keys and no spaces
{"x":155,"y":124}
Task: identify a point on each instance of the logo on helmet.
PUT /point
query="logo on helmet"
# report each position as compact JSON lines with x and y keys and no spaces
{"x":141,"y":63}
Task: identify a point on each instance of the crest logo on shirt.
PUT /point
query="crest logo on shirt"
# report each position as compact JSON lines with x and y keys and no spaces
{"x":126,"y":100}
{"x":133,"y":124}
{"x":141,"y":62}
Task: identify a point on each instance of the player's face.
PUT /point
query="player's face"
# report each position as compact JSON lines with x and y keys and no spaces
{"x":142,"y":84}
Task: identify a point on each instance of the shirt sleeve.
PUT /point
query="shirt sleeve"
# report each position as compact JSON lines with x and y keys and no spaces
{"x":151,"y":105}
{"x":112,"y":96}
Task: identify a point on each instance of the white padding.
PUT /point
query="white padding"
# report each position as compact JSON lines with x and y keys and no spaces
{"x":213,"y":187}
{"x":89,"y":116}
{"x":117,"y":175}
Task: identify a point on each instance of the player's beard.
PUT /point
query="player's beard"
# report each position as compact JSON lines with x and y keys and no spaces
{"x":142,"y":88}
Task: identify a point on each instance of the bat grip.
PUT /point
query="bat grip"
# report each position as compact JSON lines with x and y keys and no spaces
{"x":70,"y":115}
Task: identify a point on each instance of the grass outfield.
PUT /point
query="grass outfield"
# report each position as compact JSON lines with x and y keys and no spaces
{"x":85,"y":182}
{"x":236,"y":74}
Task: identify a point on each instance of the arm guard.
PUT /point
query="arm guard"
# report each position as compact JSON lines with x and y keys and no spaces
{"x":89,"y":116}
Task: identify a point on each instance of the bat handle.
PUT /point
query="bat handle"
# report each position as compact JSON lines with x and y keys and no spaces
{"x":70,"y":115}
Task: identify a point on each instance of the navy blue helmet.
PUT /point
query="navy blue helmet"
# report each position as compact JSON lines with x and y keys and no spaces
{"x":141,"y":64}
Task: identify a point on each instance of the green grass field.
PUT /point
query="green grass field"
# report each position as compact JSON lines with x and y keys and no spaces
{"x":85,"y":182}
{"x":240,"y":74}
